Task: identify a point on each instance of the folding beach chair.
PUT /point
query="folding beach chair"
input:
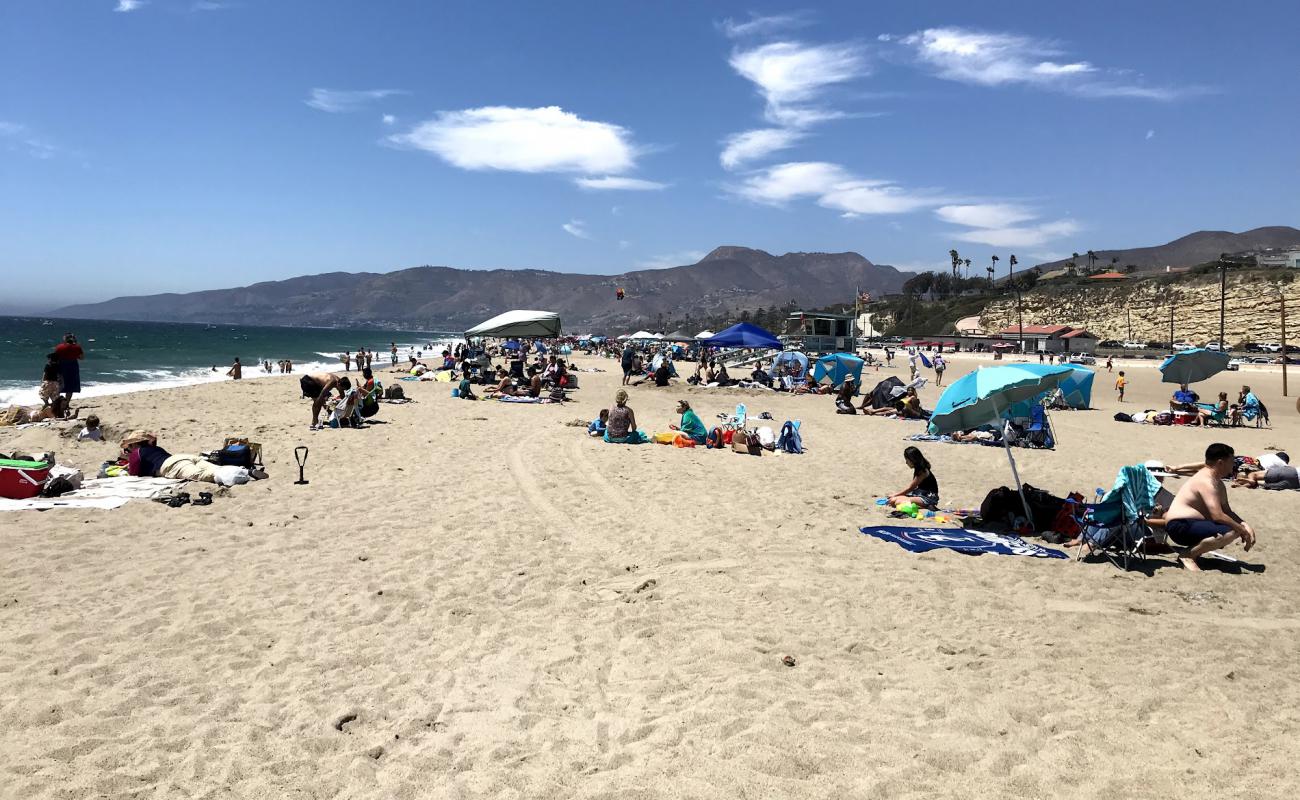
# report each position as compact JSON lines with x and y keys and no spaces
{"x":736,"y":421}
{"x":1039,"y":433}
{"x":1116,"y":525}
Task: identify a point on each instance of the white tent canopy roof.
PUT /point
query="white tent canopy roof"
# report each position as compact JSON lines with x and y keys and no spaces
{"x":704,"y":334}
{"x":645,"y":335}
{"x":544,"y":324}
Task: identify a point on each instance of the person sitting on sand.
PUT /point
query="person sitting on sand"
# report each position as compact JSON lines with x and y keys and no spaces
{"x":721,"y":376}
{"x":662,"y":372}
{"x":464,"y":389}
{"x":318,"y":388}
{"x":505,"y":384}
{"x":1200,"y":518}
{"x":690,"y":424}
{"x":760,"y":376}
{"x":598,"y":425}
{"x":924,"y":488}
{"x":844,"y":396}
{"x":92,"y":431}
{"x":620,"y":426}
{"x":535,"y":385}
{"x":912,"y":406}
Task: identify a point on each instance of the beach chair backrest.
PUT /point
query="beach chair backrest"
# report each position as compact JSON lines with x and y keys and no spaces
{"x":741,"y":415}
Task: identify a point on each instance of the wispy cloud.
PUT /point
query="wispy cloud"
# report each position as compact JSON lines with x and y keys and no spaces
{"x":833,"y":187}
{"x":210,"y":5}
{"x":792,"y":76}
{"x":1151,"y":134}
{"x":20,"y":138}
{"x":339,"y":101}
{"x":669,"y":260}
{"x":618,"y":182}
{"x":1003,"y":225}
{"x":546,"y":139}
{"x":990,"y":58}
{"x":388,"y":119}
{"x":762,"y":25}
{"x":126,"y":6}
{"x":742,"y":148}
{"x":578,"y":228}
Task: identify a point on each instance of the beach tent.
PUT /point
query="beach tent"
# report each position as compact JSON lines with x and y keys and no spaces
{"x":704,"y":334}
{"x":744,"y":335}
{"x":644,"y":335}
{"x":519,"y":323}
{"x":837,"y":367}
{"x":886,"y":392}
{"x":679,"y":335}
{"x":1076,"y":388}
{"x":790,"y":359}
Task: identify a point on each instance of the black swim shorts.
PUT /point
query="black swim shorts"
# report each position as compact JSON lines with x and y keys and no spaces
{"x":1191,"y":532}
{"x":310,"y":387}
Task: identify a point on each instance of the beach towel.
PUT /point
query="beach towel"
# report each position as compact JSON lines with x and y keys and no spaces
{"x":533,"y":400}
{"x":103,"y":493}
{"x":922,"y":540}
{"x":925,"y":361}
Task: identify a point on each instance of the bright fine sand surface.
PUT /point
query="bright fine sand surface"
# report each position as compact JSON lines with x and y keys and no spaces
{"x":476,"y":600}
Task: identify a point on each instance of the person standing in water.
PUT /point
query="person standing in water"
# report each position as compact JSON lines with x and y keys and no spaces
{"x":236,"y":370}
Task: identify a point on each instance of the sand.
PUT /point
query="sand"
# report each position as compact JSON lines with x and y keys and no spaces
{"x":474,"y":600}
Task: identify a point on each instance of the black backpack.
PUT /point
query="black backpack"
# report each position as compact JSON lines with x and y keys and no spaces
{"x":394,"y":392}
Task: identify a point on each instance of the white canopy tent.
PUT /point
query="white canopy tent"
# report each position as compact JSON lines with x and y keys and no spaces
{"x":645,"y":335}
{"x":704,"y":334}
{"x":541,"y":324}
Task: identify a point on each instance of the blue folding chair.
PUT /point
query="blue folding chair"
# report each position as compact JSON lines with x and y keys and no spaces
{"x":1116,"y":525}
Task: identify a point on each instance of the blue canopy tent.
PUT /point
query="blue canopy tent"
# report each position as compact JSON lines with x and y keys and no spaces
{"x":1076,"y":387}
{"x":837,"y":367}
{"x":793,"y":361}
{"x":744,"y":335}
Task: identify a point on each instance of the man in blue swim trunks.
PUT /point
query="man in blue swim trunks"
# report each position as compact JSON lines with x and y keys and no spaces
{"x":1200,"y":518}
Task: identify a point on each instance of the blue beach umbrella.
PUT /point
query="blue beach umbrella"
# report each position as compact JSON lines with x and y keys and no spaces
{"x":1192,"y":366}
{"x":837,"y":367}
{"x":983,"y":396}
{"x":510,"y":345}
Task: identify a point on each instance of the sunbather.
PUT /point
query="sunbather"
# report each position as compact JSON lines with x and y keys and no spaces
{"x":690,"y":424}
{"x":318,"y":388}
{"x":1201,"y":518}
{"x":924,"y":488}
{"x":504,"y":386}
{"x":844,"y":396}
{"x":621,"y":424}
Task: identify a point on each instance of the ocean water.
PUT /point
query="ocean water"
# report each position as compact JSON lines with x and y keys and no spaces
{"x":131,"y":356}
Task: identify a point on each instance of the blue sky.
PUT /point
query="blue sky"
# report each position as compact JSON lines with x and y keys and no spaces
{"x":173,"y":145}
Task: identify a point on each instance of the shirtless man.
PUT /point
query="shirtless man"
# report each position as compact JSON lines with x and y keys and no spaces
{"x":1200,"y":517}
{"x":318,"y":388}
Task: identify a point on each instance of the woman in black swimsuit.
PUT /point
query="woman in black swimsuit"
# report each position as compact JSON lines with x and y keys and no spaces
{"x":924,"y":488}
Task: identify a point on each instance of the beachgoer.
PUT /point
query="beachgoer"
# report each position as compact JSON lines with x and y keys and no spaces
{"x":598,"y":425}
{"x":236,"y":370}
{"x":1200,"y":518}
{"x":346,"y":360}
{"x":662,"y":372}
{"x":50,"y":377}
{"x":69,"y":355}
{"x":939,"y":366}
{"x":626,"y":361}
{"x":844,"y":396}
{"x":92,"y":431}
{"x":690,"y":424}
{"x":1183,"y":399}
{"x":392,"y":351}
{"x":318,"y":388}
{"x":912,"y":406}
{"x":1251,"y":407}
{"x":464,"y":390}
{"x":924,"y":488}
{"x":535,"y":385}
{"x":1110,"y":364}
{"x":505,"y":385}
{"x":1120,"y":384}
{"x":620,"y":426}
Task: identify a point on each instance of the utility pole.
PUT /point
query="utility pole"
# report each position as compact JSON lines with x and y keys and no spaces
{"x":1282,"y":297}
{"x":1223,"y":289}
{"x":1171,"y":326}
{"x":1128,"y":319}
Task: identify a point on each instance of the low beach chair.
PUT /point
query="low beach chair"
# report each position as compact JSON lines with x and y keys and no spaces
{"x":1116,"y":526}
{"x":1039,"y":433}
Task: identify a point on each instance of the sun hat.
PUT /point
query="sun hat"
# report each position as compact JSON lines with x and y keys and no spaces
{"x":1157,"y":468}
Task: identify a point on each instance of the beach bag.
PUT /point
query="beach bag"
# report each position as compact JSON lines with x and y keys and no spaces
{"x":1120,"y":416}
{"x":370,"y":407}
{"x":1044,"y":507}
{"x":1000,"y":505}
{"x":747,"y":443}
{"x":766,"y":438}
{"x":20,"y":480}
{"x":394,"y":392}
{"x":714,"y":440}
{"x":235,"y":454}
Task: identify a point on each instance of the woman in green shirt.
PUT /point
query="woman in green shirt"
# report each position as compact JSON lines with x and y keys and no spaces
{"x":690,"y":424}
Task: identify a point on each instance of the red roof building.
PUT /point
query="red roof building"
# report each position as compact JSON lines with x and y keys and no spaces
{"x":1052,"y":339}
{"x":1109,"y":276}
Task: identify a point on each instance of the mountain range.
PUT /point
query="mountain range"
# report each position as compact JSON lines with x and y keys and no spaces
{"x":1195,"y":248}
{"x":727,"y":280}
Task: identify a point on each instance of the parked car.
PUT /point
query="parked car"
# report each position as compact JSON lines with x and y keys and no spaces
{"x":1133,"y":346}
{"x":1270,"y":347}
{"x":1252,"y":347}
{"x":1083,"y":360}
{"x":1262,"y":360}
{"x":1184,"y":346}
{"x":1216,"y":347}
{"x":1113,"y":343}
{"x":1235,"y":364}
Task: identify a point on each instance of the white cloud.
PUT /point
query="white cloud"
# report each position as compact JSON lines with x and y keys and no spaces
{"x":15,"y":136}
{"x":791,"y":76}
{"x":125,"y":6}
{"x":624,"y":244}
{"x":758,"y":26}
{"x":1020,"y":236}
{"x":669,"y":260}
{"x":523,"y":140}
{"x":987,"y":58}
{"x":388,"y":119}
{"x":741,"y":148}
{"x":985,"y":215}
{"x":834,"y":187}
{"x":576,"y":227}
{"x":209,"y":5}
{"x":337,"y":101}
{"x":1151,"y":134}
{"x":618,"y":182}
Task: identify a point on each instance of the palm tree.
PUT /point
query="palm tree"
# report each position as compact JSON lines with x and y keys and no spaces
{"x":1114,"y":260}
{"x":995,"y":263}
{"x":967,"y":263}
{"x":956,"y":260}
{"x":1092,"y":260}
{"x":989,"y":270}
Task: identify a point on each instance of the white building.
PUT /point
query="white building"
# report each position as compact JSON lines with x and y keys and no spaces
{"x":1279,"y":257}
